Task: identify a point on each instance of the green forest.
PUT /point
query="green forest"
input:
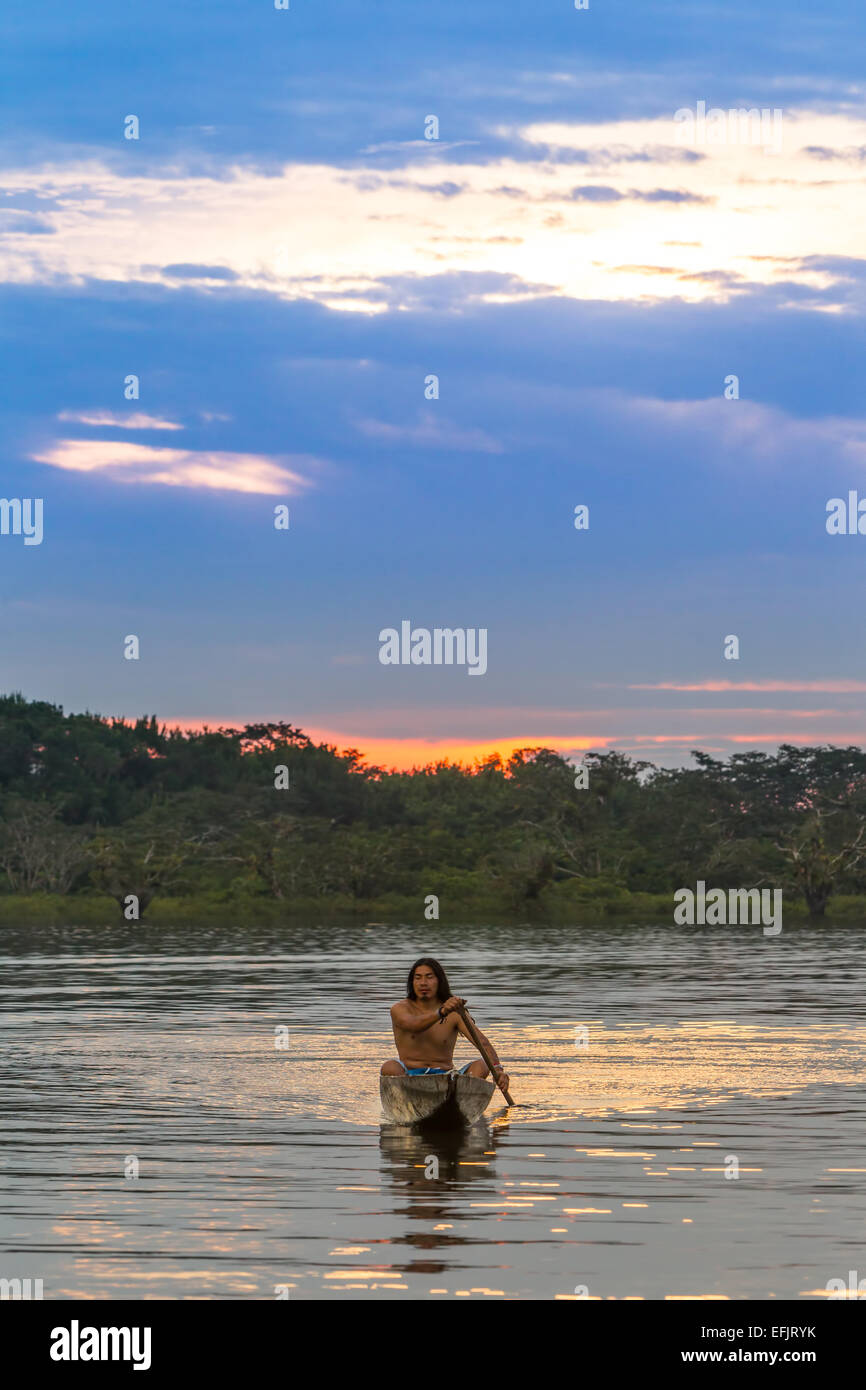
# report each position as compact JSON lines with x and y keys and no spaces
{"x":262,"y":822}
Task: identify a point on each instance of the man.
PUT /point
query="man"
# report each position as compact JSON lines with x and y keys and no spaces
{"x":426,"y":1024}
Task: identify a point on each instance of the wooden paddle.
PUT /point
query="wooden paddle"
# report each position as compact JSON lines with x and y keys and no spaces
{"x":473,"y":1033}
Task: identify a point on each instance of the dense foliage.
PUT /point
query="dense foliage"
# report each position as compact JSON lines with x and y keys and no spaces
{"x":91,"y":804}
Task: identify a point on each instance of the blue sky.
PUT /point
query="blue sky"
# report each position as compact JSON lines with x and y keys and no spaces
{"x":282,"y":259}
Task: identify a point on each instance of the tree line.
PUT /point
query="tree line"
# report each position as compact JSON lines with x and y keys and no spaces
{"x":92,"y":804}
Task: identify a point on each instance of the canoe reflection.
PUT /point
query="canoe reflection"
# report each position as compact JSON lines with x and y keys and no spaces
{"x":462,"y":1154}
{"x":430,"y":1172}
{"x":430,"y":1164}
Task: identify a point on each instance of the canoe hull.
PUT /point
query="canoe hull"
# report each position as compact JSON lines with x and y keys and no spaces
{"x":448,"y":1101}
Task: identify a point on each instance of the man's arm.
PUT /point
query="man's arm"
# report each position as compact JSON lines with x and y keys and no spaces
{"x":411,"y":1022}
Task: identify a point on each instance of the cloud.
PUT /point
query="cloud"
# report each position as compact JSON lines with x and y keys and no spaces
{"x":387,"y":146}
{"x":199,"y":272}
{"x":826,"y":686}
{"x":109,"y":419}
{"x":668,"y":195}
{"x":761,"y":436}
{"x":431,"y":433}
{"x":456,"y":291}
{"x":372,"y":183}
{"x":840,"y":268}
{"x":239,"y":232}
{"x":604,"y":193}
{"x":645,"y":270}
{"x":26,"y":224}
{"x":188,"y":468}
{"x":726,"y":278}
{"x":589,"y":193}
{"x":853,"y":154}
{"x":615,"y":156}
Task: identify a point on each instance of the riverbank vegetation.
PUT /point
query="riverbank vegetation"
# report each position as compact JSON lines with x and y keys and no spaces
{"x":261,"y":823}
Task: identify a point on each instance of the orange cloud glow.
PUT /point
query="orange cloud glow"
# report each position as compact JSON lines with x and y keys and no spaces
{"x":619,"y":730}
{"x":402,"y":754}
{"x":112,"y":420}
{"x":835,"y":687}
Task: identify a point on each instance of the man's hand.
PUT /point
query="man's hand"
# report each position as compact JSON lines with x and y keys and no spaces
{"x":451,"y":1004}
{"x":502,"y":1079}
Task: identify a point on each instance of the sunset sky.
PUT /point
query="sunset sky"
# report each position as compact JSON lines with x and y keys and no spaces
{"x":283,"y":259}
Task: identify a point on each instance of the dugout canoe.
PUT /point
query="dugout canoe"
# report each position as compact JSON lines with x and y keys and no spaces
{"x":447,"y":1101}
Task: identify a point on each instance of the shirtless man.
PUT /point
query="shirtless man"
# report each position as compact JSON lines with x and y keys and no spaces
{"x":426,"y":1024}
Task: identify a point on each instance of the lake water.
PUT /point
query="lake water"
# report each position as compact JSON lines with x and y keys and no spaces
{"x":646,"y":1062}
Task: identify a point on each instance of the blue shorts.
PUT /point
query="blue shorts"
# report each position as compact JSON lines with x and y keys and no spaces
{"x":432,"y":1071}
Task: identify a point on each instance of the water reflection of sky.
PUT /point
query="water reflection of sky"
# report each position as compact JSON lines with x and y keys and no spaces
{"x":620,"y":1068}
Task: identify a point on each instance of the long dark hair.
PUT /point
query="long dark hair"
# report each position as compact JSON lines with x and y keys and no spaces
{"x":444,"y":987}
